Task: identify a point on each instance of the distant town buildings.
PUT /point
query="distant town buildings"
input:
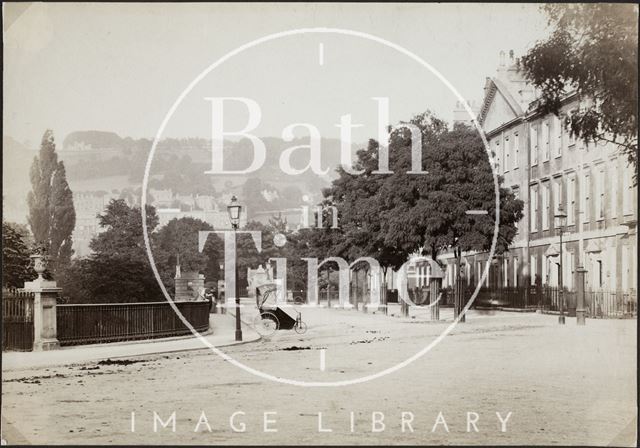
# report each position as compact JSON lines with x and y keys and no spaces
{"x":89,"y":204}
{"x":292,"y":216}
{"x":219,"y":219}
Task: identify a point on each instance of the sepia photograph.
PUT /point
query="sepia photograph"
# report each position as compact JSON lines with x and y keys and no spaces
{"x":319,"y":224}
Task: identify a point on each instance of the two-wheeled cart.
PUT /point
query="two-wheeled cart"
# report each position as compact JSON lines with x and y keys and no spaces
{"x":272,"y":317}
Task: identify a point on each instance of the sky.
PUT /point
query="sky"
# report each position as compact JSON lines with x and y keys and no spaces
{"x":120,"y":67}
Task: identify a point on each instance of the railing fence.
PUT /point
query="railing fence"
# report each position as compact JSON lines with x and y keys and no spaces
{"x":17,"y":320}
{"x":112,"y":322}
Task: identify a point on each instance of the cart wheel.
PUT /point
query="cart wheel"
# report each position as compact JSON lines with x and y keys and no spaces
{"x":300,"y":327}
{"x":266,"y":324}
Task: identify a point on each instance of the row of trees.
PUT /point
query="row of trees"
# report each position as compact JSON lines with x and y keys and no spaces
{"x":118,"y":270}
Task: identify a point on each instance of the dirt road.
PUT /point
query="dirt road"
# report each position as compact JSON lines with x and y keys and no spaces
{"x":522,"y":372}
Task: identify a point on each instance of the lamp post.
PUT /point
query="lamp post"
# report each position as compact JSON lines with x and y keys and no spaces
{"x":234,"y":209}
{"x":561,"y":221}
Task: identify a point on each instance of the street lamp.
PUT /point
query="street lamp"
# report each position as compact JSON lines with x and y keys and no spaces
{"x":561,"y":222}
{"x":234,"y":210}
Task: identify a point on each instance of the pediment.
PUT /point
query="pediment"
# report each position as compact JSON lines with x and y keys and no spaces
{"x":498,"y":112}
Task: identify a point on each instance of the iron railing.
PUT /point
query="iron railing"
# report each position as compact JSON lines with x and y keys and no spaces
{"x":605,"y":304}
{"x":17,"y":320}
{"x":112,"y":322}
{"x":612,"y":303}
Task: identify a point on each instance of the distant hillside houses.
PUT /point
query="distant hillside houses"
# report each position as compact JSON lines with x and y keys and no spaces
{"x":218,"y":219}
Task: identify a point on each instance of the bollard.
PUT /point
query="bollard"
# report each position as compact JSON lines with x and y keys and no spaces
{"x":434,"y":286}
{"x":581,"y":312}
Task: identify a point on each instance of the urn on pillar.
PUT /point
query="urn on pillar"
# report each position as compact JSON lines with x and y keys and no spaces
{"x":46,"y":293}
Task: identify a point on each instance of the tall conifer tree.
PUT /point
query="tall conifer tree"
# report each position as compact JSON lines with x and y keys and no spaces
{"x":52,"y":216}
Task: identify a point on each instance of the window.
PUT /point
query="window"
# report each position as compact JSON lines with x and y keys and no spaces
{"x":544,"y":273}
{"x":627,"y":260}
{"x":571,"y":201}
{"x":557,"y":196}
{"x":570,"y":135}
{"x":533,"y":269}
{"x":497,"y":157}
{"x":533,"y":211}
{"x":569,"y":270}
{"x":553,"y":274}
{"x":613,"y":199}
{"x":534,"y":145}
{"x":600,"y":194}
{"x":557,"y":130}
{"x":515,"y":271}
{"x":627,"y":192}
{"x":600,"y":277}
{"x":545,"y":141}
{"x":516,"y":195}
{"x":506,"y":150}
{"x":487,"y":267}
{"x":545,"y":206}
{"x":505,"y":272}
{"x":585,"y":192}
{"x":515,"y":143}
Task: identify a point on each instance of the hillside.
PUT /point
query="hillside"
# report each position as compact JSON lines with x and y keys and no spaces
{"x":98,"y":160}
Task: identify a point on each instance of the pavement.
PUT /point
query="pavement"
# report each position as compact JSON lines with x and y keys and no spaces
{"x":221,"y":334}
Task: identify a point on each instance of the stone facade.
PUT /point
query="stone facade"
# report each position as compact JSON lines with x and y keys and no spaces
{"x":547,"y":168}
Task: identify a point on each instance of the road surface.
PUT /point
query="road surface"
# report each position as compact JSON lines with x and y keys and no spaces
{"x":519,"y":372}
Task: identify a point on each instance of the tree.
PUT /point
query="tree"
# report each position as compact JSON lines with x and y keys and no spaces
{"x":52,"y":216}
{"x":593,"y":50}
{"x":392,"y":216}
{"x":429,"y":212}
{"x":179,"y":238}
{"x":118,"y":270}
{"x":360,"y":233}
{"x":16,"y":264}
{"x":364,"y":199}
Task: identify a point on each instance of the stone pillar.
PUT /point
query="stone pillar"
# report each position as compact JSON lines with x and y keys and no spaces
{"x":581,"y":312}
{"x":434,"y":287}
{"x":404,"y":307}
{"x":188,"y":286}
{"x":45,"y":327}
